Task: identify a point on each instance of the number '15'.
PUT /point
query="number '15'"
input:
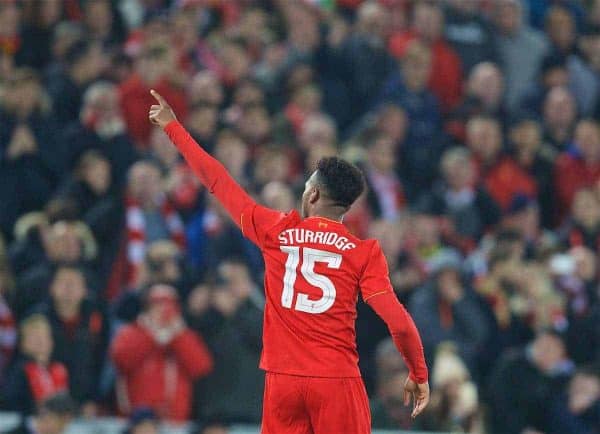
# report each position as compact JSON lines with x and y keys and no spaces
{"x":309,"y":258}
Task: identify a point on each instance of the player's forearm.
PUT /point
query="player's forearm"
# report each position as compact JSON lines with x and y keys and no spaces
{"x":211,"y":172}
{"x":404,"y":333}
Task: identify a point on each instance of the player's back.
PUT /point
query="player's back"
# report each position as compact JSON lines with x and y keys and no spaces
{"x":313,"y":271}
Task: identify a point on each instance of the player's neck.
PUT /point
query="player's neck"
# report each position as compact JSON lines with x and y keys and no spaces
{"x":329,"y":215}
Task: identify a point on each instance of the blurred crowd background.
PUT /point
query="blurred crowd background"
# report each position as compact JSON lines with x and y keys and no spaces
{"x":125,"y":290}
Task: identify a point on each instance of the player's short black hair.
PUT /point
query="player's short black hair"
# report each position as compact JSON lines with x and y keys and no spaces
{"x":342,"y":181}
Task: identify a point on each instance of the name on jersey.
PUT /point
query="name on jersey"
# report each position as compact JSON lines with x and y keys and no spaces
{"x":300,"y":236}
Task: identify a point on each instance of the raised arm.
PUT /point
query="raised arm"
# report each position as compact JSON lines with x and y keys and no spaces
{"x":211,"y":172}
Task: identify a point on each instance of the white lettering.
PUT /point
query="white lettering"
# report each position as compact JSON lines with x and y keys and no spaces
{"x":301,"y":236}
{"x":330,"y":238}
{"x":341,"y":242}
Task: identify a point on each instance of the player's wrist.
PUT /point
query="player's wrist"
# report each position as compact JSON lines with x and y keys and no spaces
{"x":170,"y":125}
{"x":418,"y":379}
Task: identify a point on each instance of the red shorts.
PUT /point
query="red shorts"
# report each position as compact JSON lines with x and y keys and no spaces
{"x":313,"y":405}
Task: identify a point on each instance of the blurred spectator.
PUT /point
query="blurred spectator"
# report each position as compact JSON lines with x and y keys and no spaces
{"x":364,"y":58}
{"x":537,"y":158}
{"x":520,"y":294}
{"x":575,"y":274}
{"x":407,"y":88}
{"x":234,"y":155}
{"x":470,"y":33}
{"x":468,"y":206}
{"x":150,"y":216}
{"x":254,"y":126}
{"x":27,"y":148}
{"x":35,"y":375}
{"x":80,"y":332}
{"x":553,"y":73}
{"x":387,"y":406}
{"x":579,"y":166}
{"x":158,"y":357}
{"x":64,"y":35}
{"x":154,"y":69}
{"x":523,"y":217}
{"x":304,"y":102}
{"x":484,"y":96}
{"x":84,"y":63}
{"x":407,"y":270}
{"x":583,"y":227}
{"x":247,"y":93}
{"x":445,"y":78}
{"x":213,"y":238}
{"x":385,"y":193}
{"x":520,"y":49}
{"x":278,"y":195}
{"x":101,"y":127}
{"x":561,"y":30}
{"x":317,"y":131}
{"x":53,"y":417}
{"x":38,"y":21}
{"x":64,"y":242}
{"x":229,"y":317}
{"x":143,"y":420}
{"x":538,"y":11}
{"x":103,"y":22}
{"x":500,"y":174}
{"x":545,"y":367}
{"x":454,"y":405}
{"x":202,"y":123}
{"x":205,"y":88}
{"x":444,"y":309}
{"x":579,"y":411}
{"x":559,"y":114}
{"x":583,"y":67}
{"x":162,"y":263}
{"x":93,"y":190}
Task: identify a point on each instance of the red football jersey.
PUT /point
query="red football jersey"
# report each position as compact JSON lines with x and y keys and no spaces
{"x":314,"y":269}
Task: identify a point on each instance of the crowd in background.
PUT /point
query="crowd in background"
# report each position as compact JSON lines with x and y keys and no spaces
{"x":124,"y":285}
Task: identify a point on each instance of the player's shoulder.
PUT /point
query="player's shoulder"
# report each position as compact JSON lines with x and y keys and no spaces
{"x":370,"y":245}
{"x":285,"y":220}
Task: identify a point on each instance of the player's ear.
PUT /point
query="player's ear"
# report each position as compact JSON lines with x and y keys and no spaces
{"x":314,"y":195}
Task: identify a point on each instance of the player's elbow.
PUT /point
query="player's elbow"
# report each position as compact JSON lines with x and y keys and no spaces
{"x":399,"y":330}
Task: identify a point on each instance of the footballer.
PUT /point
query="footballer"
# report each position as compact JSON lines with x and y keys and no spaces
{"x":314,"y":270}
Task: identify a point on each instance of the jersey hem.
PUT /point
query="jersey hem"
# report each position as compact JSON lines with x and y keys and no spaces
{"x":299,"y":374}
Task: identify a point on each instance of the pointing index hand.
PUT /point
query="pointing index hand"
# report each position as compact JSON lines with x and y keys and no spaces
{"x":162,"y":113}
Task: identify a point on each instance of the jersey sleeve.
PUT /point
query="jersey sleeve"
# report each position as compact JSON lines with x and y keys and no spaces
{"x":211,"y":173}
{"x":404,"y":333}
{"x":375,"y":278}
{"x":256,"y":220}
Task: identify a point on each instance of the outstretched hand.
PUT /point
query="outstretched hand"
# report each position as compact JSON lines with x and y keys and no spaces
{"x":160,"y":114}
{"x":419,"y":394}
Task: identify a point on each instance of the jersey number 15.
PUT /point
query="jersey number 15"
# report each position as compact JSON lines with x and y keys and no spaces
{"x":309,"y":258}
